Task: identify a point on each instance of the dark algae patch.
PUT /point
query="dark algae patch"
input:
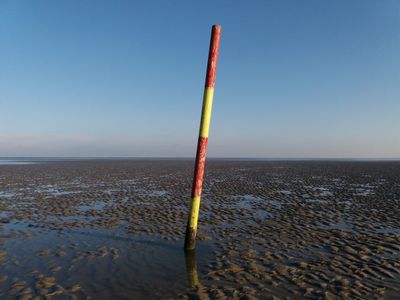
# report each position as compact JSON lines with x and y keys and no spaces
{"x":114,"y":229}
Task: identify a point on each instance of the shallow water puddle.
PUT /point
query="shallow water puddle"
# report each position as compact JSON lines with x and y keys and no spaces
{"x":8,"y":194}
{"x":340,"y":225}
{"x":102,"y":263}
{"x":16,"y":162}
{"x":390,"y":230}
{"x":95,"y":205}
{"x":157,"y":193}
{"x":247,"y":200}
{"x":4,"y":214}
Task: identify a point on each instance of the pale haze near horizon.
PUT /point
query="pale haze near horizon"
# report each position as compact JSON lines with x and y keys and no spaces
{"x":124,"y":79}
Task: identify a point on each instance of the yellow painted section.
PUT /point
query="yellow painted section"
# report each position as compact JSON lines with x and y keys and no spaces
{"x":194,"y":212}
{"x":206,"y":112}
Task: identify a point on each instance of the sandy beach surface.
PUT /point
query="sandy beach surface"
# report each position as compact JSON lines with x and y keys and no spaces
{"x":114,"y":229}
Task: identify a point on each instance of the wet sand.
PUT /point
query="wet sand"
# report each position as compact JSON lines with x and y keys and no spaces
{"x":114,"y":229}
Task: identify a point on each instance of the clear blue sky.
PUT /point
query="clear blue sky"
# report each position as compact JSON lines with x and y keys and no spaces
{"x":124,"y":78}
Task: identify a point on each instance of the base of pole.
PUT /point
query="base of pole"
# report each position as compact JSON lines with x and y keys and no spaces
{"x":190,"y":238}
{"x":191,"y":269}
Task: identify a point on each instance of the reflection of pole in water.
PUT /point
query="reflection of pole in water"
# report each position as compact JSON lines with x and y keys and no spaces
{"x":191,"y":269}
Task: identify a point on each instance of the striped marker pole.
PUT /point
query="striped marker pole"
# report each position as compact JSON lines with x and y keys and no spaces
{"x":191,"y":229}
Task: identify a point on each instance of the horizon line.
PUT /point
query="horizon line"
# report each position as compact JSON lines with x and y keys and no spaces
{"x":292,"y":158}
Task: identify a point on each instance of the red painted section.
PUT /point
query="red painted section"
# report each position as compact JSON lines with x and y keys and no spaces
{"x":213,"y":56}
{"x":200,"y":166}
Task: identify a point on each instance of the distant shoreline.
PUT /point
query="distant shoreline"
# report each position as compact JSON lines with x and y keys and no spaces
{"x":33,"y":159}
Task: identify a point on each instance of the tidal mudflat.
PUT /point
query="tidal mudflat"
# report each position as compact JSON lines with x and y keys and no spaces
{"x":114,"y":229}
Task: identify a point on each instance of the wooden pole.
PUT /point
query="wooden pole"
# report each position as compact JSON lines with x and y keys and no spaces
{"x":191,"y":229}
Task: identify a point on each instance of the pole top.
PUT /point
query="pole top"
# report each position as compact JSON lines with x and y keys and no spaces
{"x":216,"y":29}
{"x":213,"y":55}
